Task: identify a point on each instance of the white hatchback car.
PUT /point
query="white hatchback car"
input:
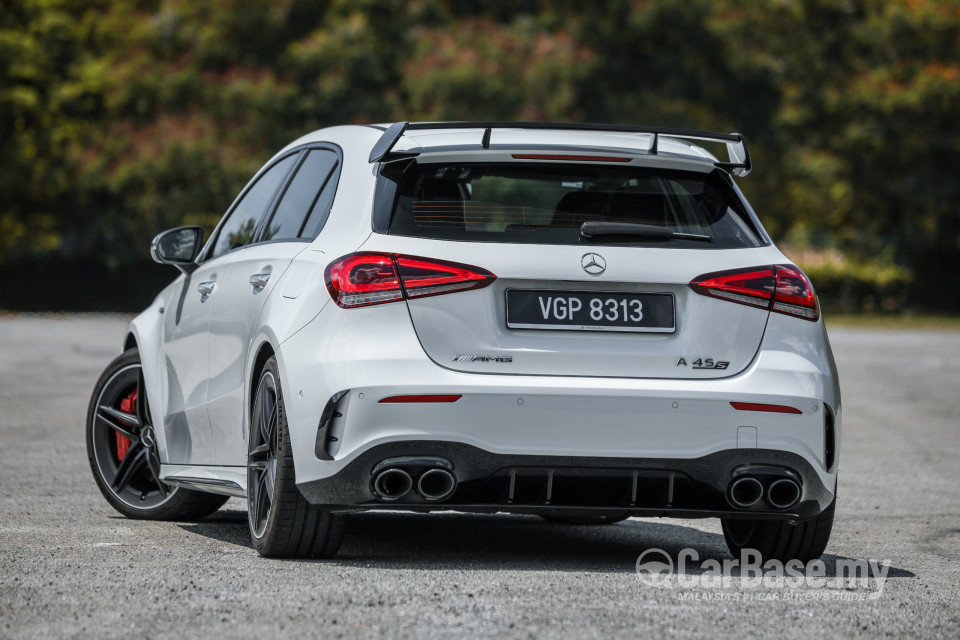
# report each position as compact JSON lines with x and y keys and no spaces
{"x":581,"y":322}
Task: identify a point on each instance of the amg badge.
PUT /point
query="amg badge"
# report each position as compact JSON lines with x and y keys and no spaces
{"x":468,"y":358}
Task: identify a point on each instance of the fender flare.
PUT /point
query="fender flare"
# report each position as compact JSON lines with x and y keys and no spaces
{"x":145,"y":332}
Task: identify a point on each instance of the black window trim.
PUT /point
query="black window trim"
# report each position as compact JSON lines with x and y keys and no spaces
{"x":271,"y":210}
{"x":301,"y":151}
{"x":253,"y":181}
{"x":288,"y":181}
{"x":333,"y":172}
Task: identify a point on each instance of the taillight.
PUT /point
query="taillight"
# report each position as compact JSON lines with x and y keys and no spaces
{"x":795,"y":296}
{"x":753,"y":287}
{"x":422,"y":277}
{"x":781,"y":288}
{"x":364,"y":279}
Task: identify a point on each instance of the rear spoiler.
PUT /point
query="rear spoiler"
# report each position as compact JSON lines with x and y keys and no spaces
{"x":739,"y":162}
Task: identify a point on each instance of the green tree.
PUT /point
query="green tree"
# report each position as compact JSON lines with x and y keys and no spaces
{"x":118,"y":119}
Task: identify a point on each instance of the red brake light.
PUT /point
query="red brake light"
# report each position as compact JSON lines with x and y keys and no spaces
{"x":364,"y":279}
{"x":423,"y":277}
{"x":414,"y":399}
{"x":753,"y":287}
{"x":795,"y":296}
{"x":769,"y":408}
{"x":781,"y":288}
{"x":541,"y":156}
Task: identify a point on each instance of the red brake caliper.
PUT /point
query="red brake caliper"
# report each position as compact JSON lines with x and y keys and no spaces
{"x":127,"y":405}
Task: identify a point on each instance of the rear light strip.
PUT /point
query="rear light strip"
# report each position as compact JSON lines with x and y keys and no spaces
{"x":370,"y":278}
{"x":782,"y":288}
{"x":769,"y":408}
{"x":428,"y":398}
{"x":540,"y":156}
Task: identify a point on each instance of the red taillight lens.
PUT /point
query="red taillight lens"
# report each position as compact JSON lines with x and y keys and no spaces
{"x":754,"y":287}
{"x":781,"y":288}
{"x":795,"y":296}
{"x":768,"y":408}
{"x":423,"y":277}
{"x":416,"y":399}
{"x":364,"y":279}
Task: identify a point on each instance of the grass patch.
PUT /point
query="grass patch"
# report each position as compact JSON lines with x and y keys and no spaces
{"x":889,"y":322}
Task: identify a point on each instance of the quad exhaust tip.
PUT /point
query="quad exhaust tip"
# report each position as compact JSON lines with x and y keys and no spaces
{"x":436,"y":484}
{"x":392,"y":484}
{"x":783,"y":493}
{"x":745,"y":492}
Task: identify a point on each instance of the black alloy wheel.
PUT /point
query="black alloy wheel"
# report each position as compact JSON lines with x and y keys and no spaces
{"x":123,"y":452}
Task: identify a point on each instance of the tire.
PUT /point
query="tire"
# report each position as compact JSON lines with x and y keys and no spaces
{"x":282,"y":523}
{"x":584,"y":520}
{"x":781,"y":540}
{"x":123,"y":452}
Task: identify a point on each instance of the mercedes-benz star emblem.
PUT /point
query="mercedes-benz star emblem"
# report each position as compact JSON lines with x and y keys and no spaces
{"x":593,"y":263}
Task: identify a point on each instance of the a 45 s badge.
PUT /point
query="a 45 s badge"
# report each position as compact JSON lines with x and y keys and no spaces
{"x":703,"y":363}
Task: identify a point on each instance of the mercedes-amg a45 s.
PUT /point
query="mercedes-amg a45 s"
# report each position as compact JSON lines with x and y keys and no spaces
{"x":581,"y":322}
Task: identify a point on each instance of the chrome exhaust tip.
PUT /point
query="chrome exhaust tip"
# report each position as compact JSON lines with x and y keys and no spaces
{"x":392,"y":484}
{"x":745,"y":492}
{"x":783,"y":493}
{"x":436,"y":484}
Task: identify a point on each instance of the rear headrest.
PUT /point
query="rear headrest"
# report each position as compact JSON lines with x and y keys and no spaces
{"x":439,"y":203}
{"x":643,"y":208}
{"x":579,"y":206}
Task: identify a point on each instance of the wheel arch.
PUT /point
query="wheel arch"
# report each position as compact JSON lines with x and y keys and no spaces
{"x":145,"y":333}
{"x":262,"y":352}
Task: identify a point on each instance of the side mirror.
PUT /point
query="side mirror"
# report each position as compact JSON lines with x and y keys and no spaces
{"x":179,"y":247}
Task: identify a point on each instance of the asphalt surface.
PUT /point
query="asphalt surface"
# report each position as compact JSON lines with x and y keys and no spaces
{"x":72,"y":567}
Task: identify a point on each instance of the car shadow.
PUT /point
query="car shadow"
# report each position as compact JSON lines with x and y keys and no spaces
{"x":444,"y":541}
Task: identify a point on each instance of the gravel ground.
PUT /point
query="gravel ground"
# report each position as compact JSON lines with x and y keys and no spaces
{"x":71,"y":567}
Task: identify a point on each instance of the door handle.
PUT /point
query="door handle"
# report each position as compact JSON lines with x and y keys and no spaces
{"x":206,"y":288}
{"x":259,"y":280}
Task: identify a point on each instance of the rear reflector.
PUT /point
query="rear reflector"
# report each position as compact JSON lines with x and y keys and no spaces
{"x":769,"y":408}
{"x":782,"y":288}
{"x":539,"y":156}
{"x":399,"y":399}
{"x":365,"y":279}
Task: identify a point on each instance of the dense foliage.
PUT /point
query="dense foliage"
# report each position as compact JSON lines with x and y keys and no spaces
{"x":121,"y":118}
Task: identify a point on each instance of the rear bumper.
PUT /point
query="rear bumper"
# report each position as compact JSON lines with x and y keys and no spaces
{"x":489,"y":482}
{"x":518,"y":421}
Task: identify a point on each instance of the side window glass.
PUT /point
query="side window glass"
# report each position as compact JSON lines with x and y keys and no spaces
{"x":321,"y":208}
{"x":242,"y":223}
{"x":301,"y":196}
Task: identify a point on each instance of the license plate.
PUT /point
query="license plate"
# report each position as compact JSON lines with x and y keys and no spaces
{"x":590,"y":311}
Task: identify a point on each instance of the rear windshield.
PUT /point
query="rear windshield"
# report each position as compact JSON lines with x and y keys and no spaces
{"x":548,"y":203}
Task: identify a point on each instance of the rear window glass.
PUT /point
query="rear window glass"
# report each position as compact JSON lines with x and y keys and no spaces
{"x":548,"y":203}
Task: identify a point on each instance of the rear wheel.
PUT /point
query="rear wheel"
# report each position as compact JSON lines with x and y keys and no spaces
{"x":123,"y":454}
{"x":282,"y":523}
{"x":781,"y":540}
